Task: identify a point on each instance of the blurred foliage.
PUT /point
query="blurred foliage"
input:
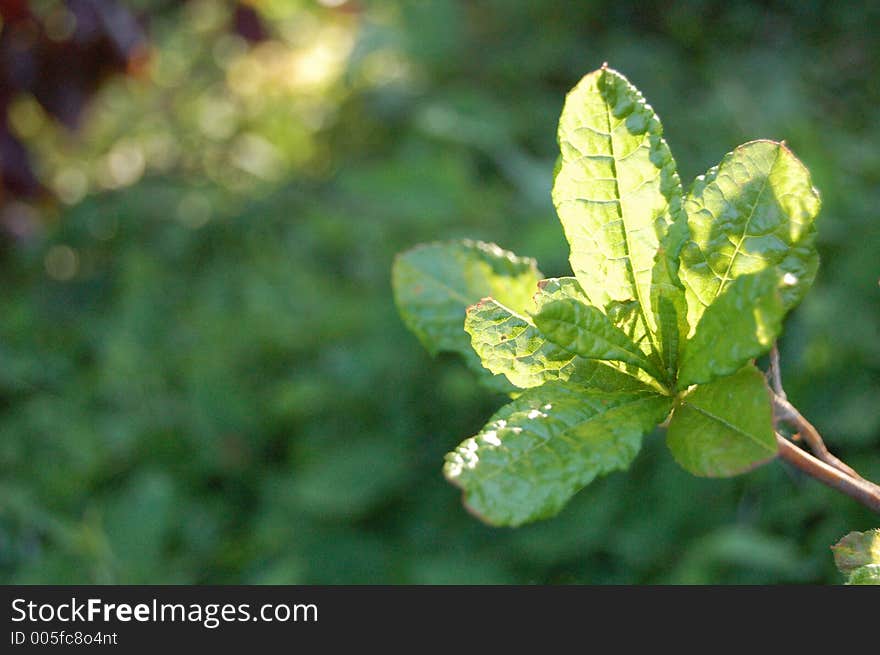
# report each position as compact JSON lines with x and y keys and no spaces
{"x":53,"y":57}
{"x":203,"y":378}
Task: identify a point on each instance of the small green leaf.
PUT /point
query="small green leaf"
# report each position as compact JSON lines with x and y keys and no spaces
{"x":559,"y":288}
{"x":510,"y":344}
{"x":725,"y":427}
{"x":540,"y":449}
{"x":865,"y":575}
{"x":740,"y":325}
{"x":435,"y":283}
{"x":755,"y":210}
{"x":857,"y":556}
{"x":857,"y":549}
{"x":586,"y":331}
{"x":670,"y":308}
{"x":616,"y":190}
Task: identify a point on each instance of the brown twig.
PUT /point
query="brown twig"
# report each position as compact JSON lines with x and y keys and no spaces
{"x":867,"y":493}
{"x":788,"y":413}
{"x":821,"y":465}
{"x":785,"y":411}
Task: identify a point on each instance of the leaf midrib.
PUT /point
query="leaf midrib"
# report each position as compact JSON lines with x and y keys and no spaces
{"x":480,"y":481}
{"x":626,"y":236}
{"x":637,"y":357}
{"x":603,"y":362}
{"x":454,"y":293}
{"x":726,"y":278}
{"x":729,"y":426}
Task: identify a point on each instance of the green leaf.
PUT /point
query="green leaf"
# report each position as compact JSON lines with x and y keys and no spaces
{"x":857,"y":549}
{"x":857,"y":555}
{"x":627,"y":317}
{"x":755,"y":210}
{"x":435,"y":283}
{"x":740,"y":325}
{"x":725,"y":427}
{"x":865,"y":575}
{"x":616,"y":190}
{"x":558,"y":288}
{"x":669,"y":305}
{"x":584,"y":330}
{"x":539,"y":450}
{"x":510,"y":344}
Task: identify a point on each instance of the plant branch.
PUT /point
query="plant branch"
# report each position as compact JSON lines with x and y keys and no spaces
{"x":867,"y":493}
{"x":821,"y":465}
{"x":785,"y":411}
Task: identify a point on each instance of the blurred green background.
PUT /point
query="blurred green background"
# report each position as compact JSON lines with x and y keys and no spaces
{"x":203,"y":377}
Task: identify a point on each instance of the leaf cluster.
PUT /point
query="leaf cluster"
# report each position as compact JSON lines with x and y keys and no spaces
{"x":674,"y":295}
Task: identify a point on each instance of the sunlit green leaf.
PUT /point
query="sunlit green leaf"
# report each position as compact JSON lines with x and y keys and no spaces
{"x":725,"y":427}
{"x":540,"y":449}
{"x":435,"y":283}
{"x":584,"y":330}
{"x":740,"y":325}
{"x":753,"y":211}
{"x":558,"y":288}
{"x":668,"y":300}
{"x":616,"y":190}
{"x":865,"y":575}
{"x":509,"y":343}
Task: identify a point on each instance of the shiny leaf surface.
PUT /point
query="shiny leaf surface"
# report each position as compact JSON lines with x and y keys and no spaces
{"x":616,"y":189}
{"x":740,"y":325}
{"x":584,"y":330}
{"x":435,"y":283}
{"x":755,"y":210}
{"x":725,"y":427}
{"x":540,"y":449}
{"x":509,"y":343}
